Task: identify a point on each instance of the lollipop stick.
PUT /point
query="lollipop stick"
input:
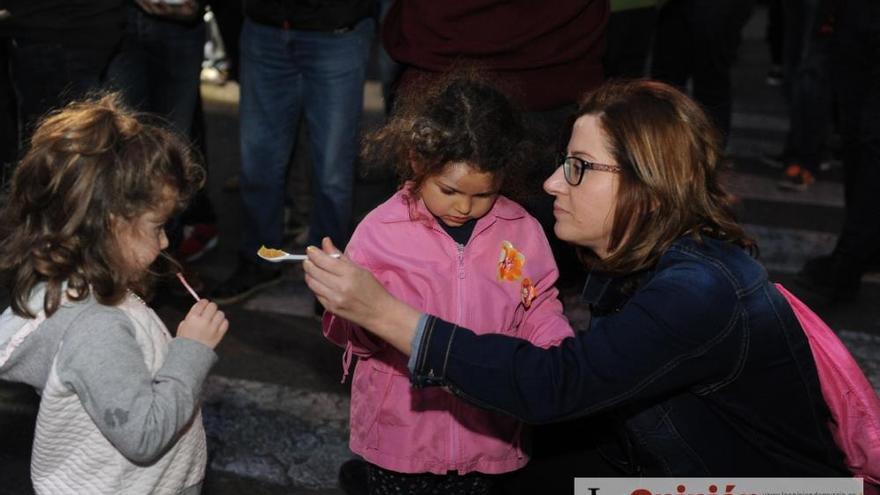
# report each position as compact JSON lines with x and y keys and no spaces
{"x":185,"y":284}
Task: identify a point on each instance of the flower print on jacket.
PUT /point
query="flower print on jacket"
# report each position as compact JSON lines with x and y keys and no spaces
{"x":528,"y":292}
{"x":510,"y":263}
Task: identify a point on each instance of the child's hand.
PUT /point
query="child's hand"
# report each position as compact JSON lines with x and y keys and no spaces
{"x":204,"y":323}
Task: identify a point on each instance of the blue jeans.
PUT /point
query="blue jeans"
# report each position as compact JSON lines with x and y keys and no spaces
{"x":286,"y":74}
{"x":158,"y":67}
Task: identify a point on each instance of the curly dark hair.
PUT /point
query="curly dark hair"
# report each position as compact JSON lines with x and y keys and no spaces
{"x":459,"y":117}
{"x":87,"y":163}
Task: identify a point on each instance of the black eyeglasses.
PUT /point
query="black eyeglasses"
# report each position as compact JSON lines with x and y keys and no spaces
{"x":573,"y":168}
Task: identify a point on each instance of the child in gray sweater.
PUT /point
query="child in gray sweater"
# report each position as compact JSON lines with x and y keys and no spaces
{"x":80,"y":230}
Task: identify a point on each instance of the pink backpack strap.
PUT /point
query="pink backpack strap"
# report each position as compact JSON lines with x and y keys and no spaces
{"x":854,"y":405}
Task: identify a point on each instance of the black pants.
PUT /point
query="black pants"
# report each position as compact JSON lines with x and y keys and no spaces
{"x":563,"y":451}
{"x":698,"y":40}
{"x":385,"y":482}
{"x":628,"y":42}
{"x":8,"y":115}
{"x":856,"y":63}
{"x":46,"y":75}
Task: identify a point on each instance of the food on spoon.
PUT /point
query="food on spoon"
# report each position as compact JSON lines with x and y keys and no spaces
{"x":270,"y":253}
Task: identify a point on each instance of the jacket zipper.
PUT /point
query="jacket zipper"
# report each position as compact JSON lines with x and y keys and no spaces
{"x":454,"y":441}
{"x":460,"y":248}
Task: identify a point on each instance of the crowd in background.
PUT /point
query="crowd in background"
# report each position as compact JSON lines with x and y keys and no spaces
{"x":299,"y":62}
{"x":307,"y":62}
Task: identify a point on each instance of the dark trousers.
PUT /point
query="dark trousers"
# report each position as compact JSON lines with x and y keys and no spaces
{"x":698,"y":40}
{"x":158,"y":65}
{"x":157,"y":69}
{"x":8,"y":116}
{"x":856,"y":72}
{"x":582,"y":447}
{"x":775,"y":31}
{"x":808,"y":82}
{"x":48,"y":75}
{"x":385,"y":482}
{"x":628,"y":42}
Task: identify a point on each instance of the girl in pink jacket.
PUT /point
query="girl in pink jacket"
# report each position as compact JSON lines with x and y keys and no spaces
{"x":447,"y":242}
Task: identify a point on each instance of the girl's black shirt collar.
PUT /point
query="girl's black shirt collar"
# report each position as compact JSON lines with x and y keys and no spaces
{"x":460,"y":234}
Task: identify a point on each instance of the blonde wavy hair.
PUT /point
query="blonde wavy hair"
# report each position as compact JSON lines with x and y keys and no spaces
{"x":87,"y":163}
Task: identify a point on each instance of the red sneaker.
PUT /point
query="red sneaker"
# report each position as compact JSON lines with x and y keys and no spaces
{"x":796,"y":178}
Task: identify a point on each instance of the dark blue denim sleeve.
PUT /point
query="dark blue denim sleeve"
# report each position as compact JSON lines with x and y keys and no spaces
{"x":682,"y":330}
{"x":416,"y":342}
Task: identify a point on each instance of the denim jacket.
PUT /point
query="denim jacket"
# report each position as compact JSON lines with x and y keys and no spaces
{"x":703,"y":368}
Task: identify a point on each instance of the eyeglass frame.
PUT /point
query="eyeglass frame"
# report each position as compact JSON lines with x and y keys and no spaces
{"x":585,"y":165}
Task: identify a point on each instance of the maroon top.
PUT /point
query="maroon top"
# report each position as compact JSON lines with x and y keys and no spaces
{"x":546,"y":54}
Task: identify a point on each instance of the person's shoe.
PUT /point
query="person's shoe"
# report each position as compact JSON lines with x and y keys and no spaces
{"x":796,"y":178}
{"x":831,"y":277}
{"x":353,"y":477}
{"x":775,"y":76}
{"x":779,"y":160}
{"x":248,"y":279}
{"x":830,"y":164}
{"x":197,"y":240}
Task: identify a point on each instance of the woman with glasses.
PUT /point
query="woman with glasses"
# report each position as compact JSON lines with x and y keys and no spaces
{"x":692,"y":364}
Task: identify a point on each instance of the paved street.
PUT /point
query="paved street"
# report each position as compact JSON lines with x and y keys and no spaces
{"x":275,"y":411}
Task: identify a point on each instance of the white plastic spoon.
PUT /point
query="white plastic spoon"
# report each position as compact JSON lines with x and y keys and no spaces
{"x":273,"y":256}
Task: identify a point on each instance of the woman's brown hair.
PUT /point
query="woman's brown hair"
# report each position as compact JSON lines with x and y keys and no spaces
{"x":669,"y":187}
{"x":89,"y":163}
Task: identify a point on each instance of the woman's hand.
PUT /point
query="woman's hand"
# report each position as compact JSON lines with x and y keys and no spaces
{"x":349,"y":291}
{"x":204,"y":323}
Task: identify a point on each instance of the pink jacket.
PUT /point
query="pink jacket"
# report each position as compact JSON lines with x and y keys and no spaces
{"x":501,"y":281}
